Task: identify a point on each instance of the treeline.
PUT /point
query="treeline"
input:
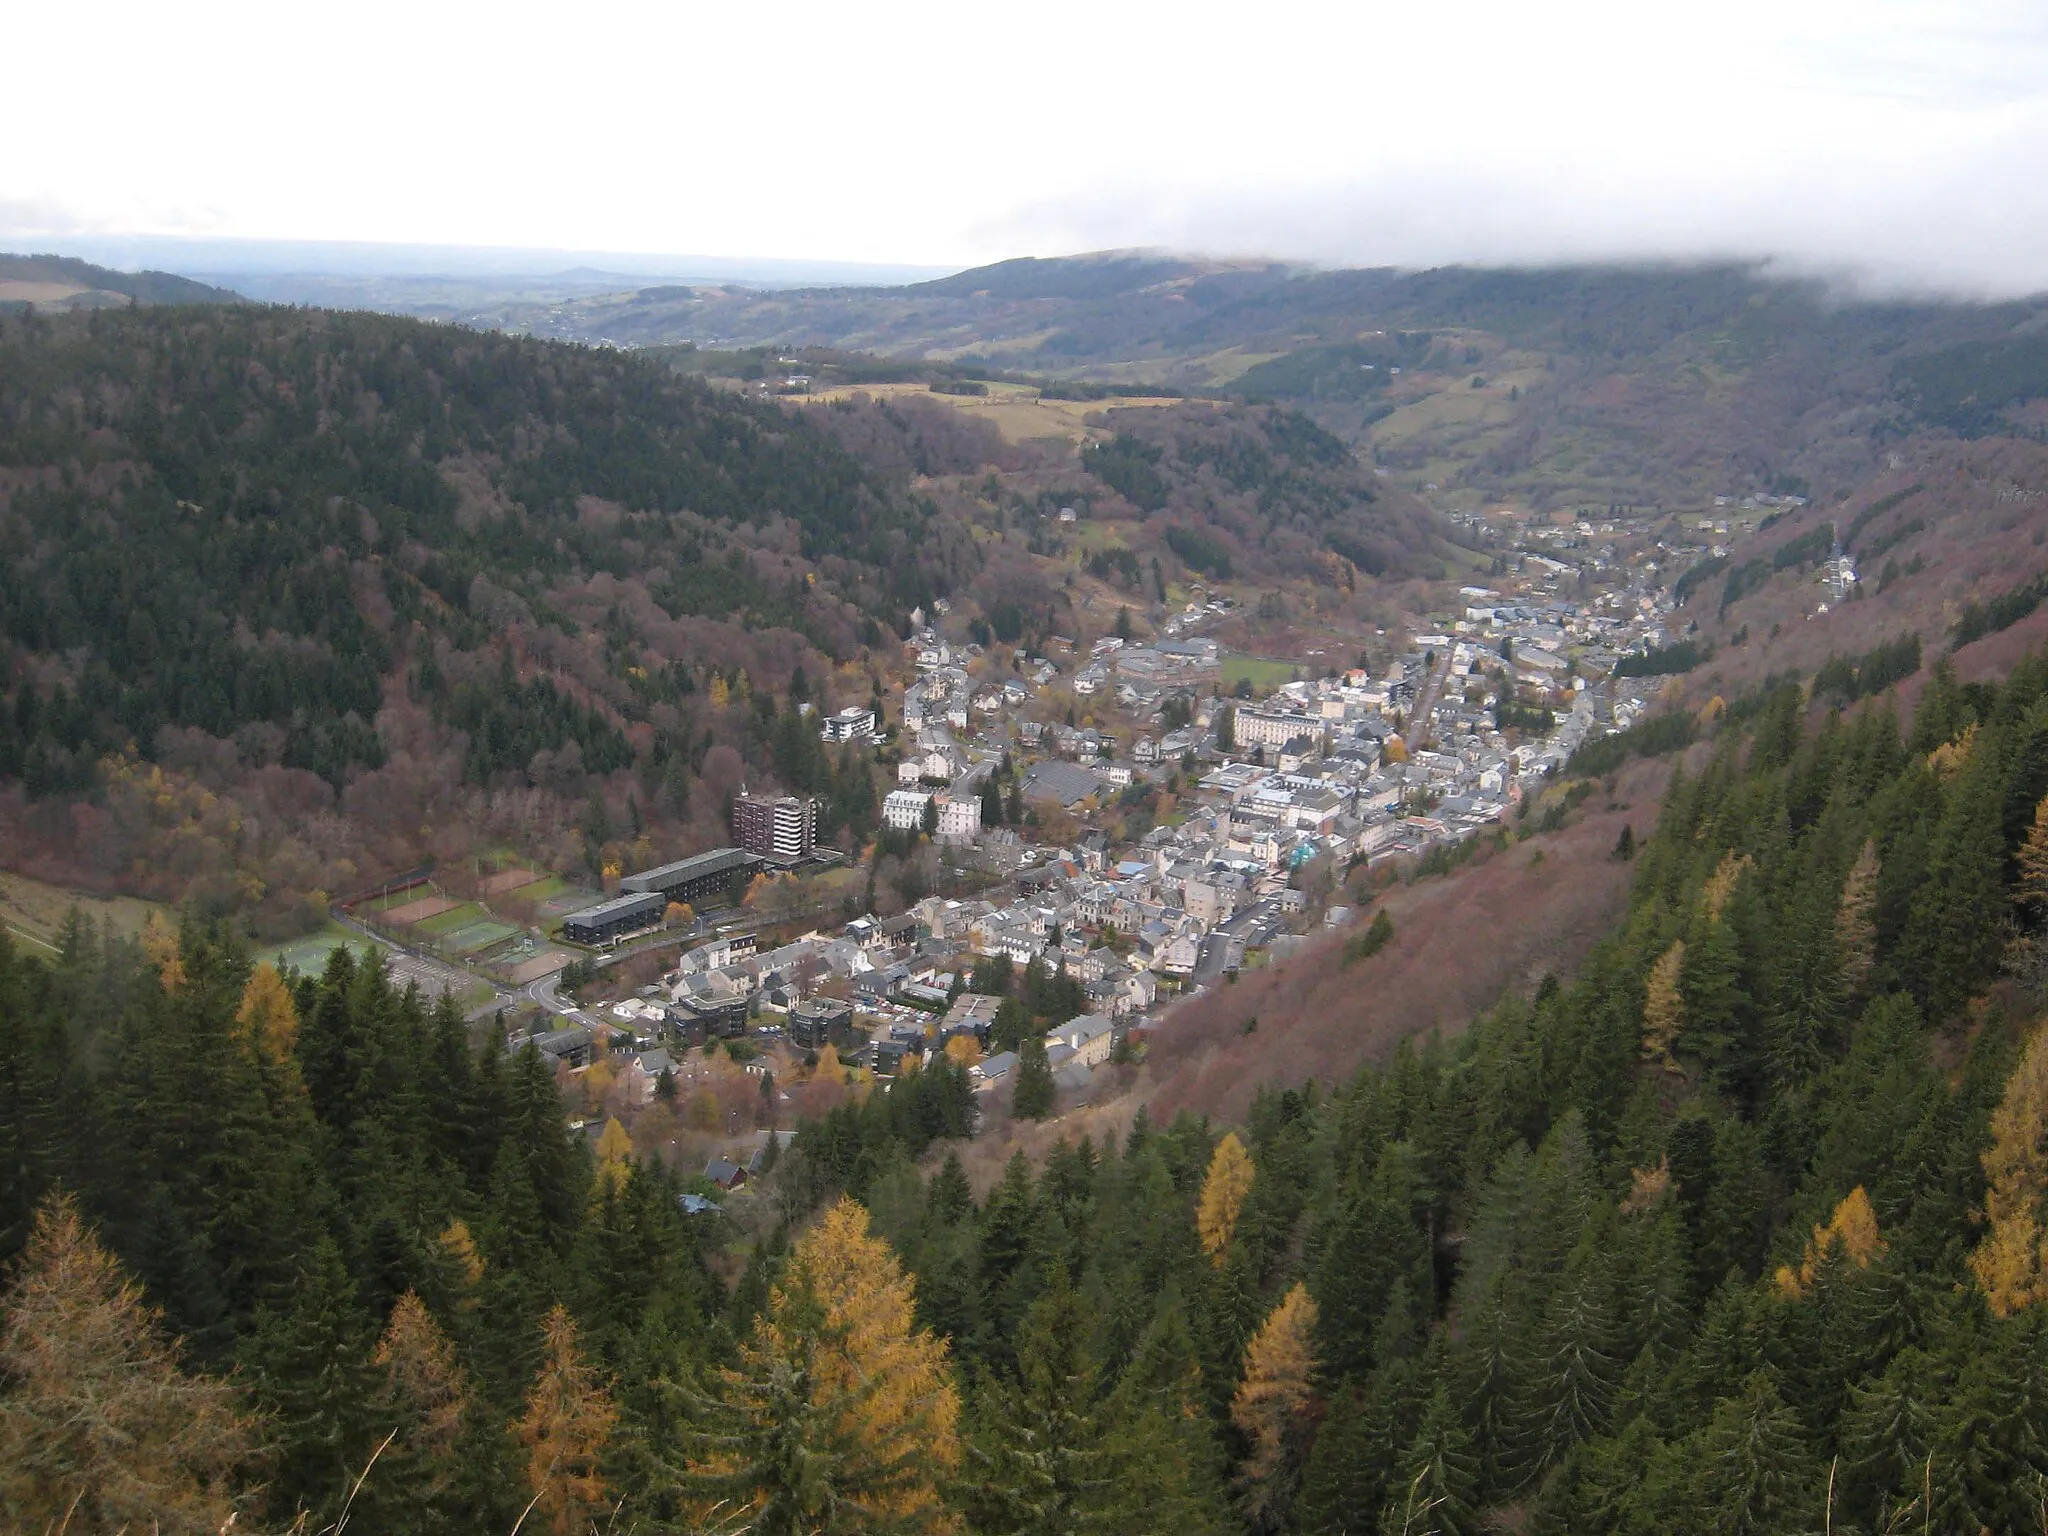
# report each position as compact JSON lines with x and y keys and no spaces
{"x":1983,"y":617}
{"x":1664,"y":661}
{"x":1845,"y":679}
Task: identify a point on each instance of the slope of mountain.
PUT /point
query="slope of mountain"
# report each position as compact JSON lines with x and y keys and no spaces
{"x":1566,"y":387}
{"x":64,"y":282}
{"x":368,"y":562}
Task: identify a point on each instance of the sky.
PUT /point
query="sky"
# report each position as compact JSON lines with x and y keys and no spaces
{"x":1902,"y":145}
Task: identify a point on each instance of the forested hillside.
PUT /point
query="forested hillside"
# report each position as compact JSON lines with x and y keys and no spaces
{"x":1262,"y":491}
{"x":302,"y":558}
{"x":1739,"y":1231}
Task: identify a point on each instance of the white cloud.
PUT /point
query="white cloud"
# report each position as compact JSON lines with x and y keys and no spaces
{"x":1906,"y":140}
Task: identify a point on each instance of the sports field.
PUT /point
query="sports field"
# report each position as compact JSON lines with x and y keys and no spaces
{"x":309,"y":954}
{"x":474,"y":938}
{"x":1260,"y":671}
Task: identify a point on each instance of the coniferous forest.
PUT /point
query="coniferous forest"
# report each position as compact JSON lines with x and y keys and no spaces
{"x":1739,"y":1230}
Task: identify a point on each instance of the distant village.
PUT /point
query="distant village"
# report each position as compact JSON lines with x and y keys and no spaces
{"x":1278,"y":793}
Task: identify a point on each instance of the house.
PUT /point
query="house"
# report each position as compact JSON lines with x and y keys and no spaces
{"x":1090,"y":1037}
{"x":725,"y":1173}
{"x":988,"y":1073}
{"x":563,"y":1047}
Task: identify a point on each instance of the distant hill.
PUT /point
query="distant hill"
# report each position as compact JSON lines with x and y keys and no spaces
{"x":64,"y":282}
{"x":1567,"y":387}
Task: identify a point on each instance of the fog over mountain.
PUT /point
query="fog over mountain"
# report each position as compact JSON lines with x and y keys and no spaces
{"x":1885,"y":140}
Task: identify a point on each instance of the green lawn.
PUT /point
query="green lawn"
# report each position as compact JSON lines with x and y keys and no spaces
{"x":309,"y":954}
{"x":453,"y":919}
{"x":1261,"y":671}
{"x":544,"y":889}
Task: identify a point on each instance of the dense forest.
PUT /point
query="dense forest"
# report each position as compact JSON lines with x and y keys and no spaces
{"x":1740,"y":1230}
{"x":300,"y":561}
{"x":1262,"y":490}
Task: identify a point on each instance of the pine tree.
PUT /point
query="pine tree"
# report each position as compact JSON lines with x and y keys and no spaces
{"x":1433,"y":1496}
{"x":1039,"y":1466}
{"x":1224,"y":1189}
{"x":1856,"y":921}
{"x":1273,"y":1400}
{"x":1572,"y":1377}
{"x":567,"y":1425}
{"x":1755,"y":1476}
{"x":1032,"y":1097}
{"x":308,"y":1351}
{"x":101,"y":1429}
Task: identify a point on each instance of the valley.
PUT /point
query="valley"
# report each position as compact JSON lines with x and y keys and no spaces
{"x":1369,"y":901}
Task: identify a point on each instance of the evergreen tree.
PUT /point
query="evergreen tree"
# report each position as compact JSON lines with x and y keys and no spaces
{"x":1033,"y":1095}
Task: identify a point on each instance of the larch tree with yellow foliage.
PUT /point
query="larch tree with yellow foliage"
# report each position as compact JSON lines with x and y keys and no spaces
{"x":2011,"y":1262}
{"x":101,"y":1427}
{"x":421,"y":1399}
{"x":267,"y":1023}
{"x":1272,"y":1402}
{"x":1851,"y":1233}
{"x":842,"y":1414}
{"x":1664,"y":1008}
{"x":1224,"y":1190}
{"x":567,"y":1425}
{"x":160,"y":944}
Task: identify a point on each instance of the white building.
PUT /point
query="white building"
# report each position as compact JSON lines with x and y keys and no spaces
{"x":855,"y":722}
{"x":959,"y":818}
{"x":903,"y":809}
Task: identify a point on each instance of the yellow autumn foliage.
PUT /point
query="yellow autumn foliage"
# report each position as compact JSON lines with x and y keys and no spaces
{"x":266,"y":1021}
{"x":846,"y":1306}
{"x":1279,"y":1370}
{"x":2011,"y":1263}
{"x":1223,"y":1194}
{"x":567,"y":1425}
{"x":160,"y":944}
{"x":1664,"y":1008}
{"x":1722,"y":882}
{"x":1851,"y":1231}
{"x":2033,"y":860}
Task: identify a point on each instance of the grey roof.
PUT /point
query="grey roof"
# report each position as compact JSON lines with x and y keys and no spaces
{"x":717,"y":861}
{"x":636,"y":904}
{"x":1068,"y":783}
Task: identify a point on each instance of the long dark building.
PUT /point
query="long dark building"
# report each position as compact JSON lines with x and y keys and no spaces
{"x":609,"y":919}
{"x":694,"y":880}
{"x":780,"y":828}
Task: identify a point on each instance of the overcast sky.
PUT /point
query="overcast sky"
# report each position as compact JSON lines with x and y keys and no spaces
{"x":1908,"y":141}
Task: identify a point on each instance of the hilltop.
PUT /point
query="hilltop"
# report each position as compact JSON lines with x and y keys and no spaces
{"x":65,"y":283}
{"x":1555,"y":388}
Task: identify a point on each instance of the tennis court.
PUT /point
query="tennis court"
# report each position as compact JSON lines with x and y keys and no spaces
{"x":473,"y":937}
{"x":419,"y":911}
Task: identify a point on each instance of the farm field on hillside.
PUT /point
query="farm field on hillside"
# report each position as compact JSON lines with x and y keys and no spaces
{"x":34,"y":911}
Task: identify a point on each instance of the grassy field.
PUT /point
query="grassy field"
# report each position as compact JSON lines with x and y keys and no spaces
{"x":453,"y":920}
{"x":1260,"y":671}
{"x":547,"y":888}
{"x":1015,"y":410}
{"x":34,"y":912}
{"x":309,"y":954}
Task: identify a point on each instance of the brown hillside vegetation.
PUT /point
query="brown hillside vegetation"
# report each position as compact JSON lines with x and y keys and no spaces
{"x":1957,"y":522}
{"x":1497,"y":924}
